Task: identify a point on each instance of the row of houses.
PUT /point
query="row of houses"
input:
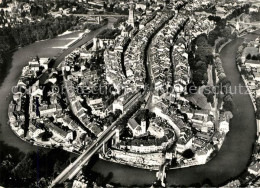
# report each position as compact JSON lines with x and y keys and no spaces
{"x":134,"y":55}
{"x":162,"y":65}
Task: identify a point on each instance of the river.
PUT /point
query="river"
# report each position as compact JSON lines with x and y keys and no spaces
{"x":231,"y":160}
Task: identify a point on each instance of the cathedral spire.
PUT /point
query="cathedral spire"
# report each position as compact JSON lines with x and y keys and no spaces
{"x":131,"y":20}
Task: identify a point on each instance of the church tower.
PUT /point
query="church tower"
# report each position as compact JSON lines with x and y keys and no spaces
{"x":131,"y":20}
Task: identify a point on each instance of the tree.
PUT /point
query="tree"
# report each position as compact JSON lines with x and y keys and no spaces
{"x":254,"y":57}
{"x":228,"y":106}
{"x":213,"y":36}
{"x":248,"y":56}
{"x":200,"y":65}
{"x":204,"y":53}
{"x":228,"y":115}
{"x":214,"y":18}
{"x":58,"y":167}
{"x":198,"y":77}
{"x":26,"y":169}
{"x":188,"y":154}
{"x":209,"y":93}
{"x":201,"y":40}
{"x":225,"y":85}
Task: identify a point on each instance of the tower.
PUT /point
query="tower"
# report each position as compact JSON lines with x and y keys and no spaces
{"x":143,"y":126}
{"x":131,"y":20}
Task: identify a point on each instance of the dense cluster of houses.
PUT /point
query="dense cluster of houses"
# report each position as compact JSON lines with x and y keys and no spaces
{"x":162,"y":63}
{"x":12,"y":15}
{"x":189,"y":120}
{"x":36,"y":112}
{"x":77,"y":76}
{"x":248,"y":61}
{"x":113,"y":61}
{"x":134,"y":55}
{"x":167,"y":104}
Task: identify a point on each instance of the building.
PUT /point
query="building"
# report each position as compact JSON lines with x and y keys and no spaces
{"x":254,"y":169}
{"x":131,"y":20}
{"x":185,"y":140}
{"x":136,"y":128}
{"x":56,"y":130}
{"x":224,"y":126}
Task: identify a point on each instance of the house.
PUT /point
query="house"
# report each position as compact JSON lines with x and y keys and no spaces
{"x":252,"y":64}
{"x":254,"y":169}
{"x":136,"y":128}
{"x":183,"y":144}
{"x":97,"y":106}
{"x":11,"y":110}
{"x":118,"y":104}
{"x":257,"y":92}
{"x":185,"y":140}
{"x":50,"y":110}
{"x":224,"y":126}
{"x":141,"y":5}
{"x":56,"y":130}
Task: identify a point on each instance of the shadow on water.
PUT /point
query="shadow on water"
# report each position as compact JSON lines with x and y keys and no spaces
{"x":7,"y":150}
{"x":99,"y":178}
